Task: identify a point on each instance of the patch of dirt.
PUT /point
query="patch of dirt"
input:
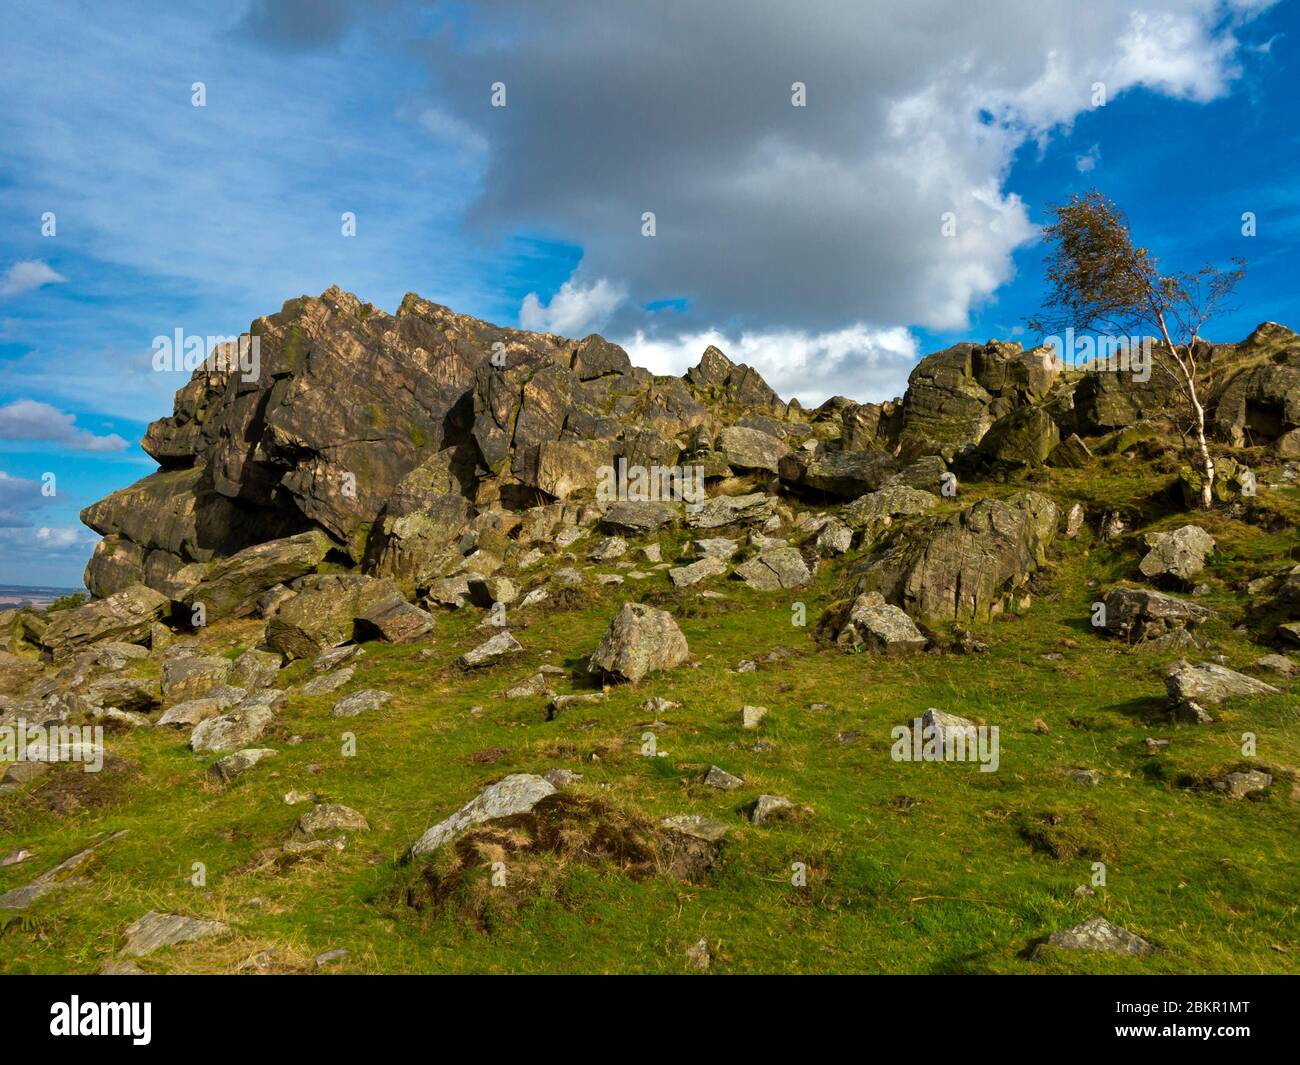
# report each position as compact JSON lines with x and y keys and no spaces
{"x":68,"y":789}
{"x":1065,"y":837}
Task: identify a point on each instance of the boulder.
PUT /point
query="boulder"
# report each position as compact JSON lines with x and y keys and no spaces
{"x":515,"y":794}
{"x":324,"y":612}
{"x":640,"y":640}
{"x":1211,"y":683}
{"x":780,"y":567}
{"x":847,"y":474}
{"x":751,"y":449}
{"x":875,"y":512}
{"x":1178,"y":556}
{"x":721,"y":511}
{"x":701,"y":570}
{"x":191,"y":678}
{"x":125,"y":617}
{"x":1023,"y":438}
{"x":394,"y":620}
{"x":255,"y":669}
{"x":871,"y":623}
{"x":503,"y":645}
{"x":231,"y":586}
{"x":1140,"y":614}
{"x":242,"y":727}
{"x":637,"y":517}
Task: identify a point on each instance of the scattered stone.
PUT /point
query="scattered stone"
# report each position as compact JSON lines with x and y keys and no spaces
{"x":835,"y":538}
{"x":1155,"y":746}
{"x":192,"y":678}
{"x":1090,"y":777}
{"x":561,"y":778}
{"x":329,"y":957}
{"x":1241,"y":785}
{"x":698,"y":955}
{"x":640,"y":640}
{"x":752,"y":716}
{"x":395,"y":621}
{"x":1211,"y":683}
{"x":715,"y":547}
{"x":709,"y":566}
{"x":720,"y":778}
{"x":697,"y":826}
{"x":336,"y":656}
{"x":1074,"y":521}
{"x":502,"y":646}
{"x":515,"y":794}
{"x":329,"y":817}
{"x":1278,"y":665}
{"x":328,"y":682}
{"x":871,"y":623}
{"x":358,"y":702}
{"x":1141,"y":615}
{"x":1177,"y":556}
{"x":233,"y":765}
{"x":1097,"y":933}
{"x":255,"y":669}
{"x":608,"y":549}
{"x":560,"y":703}
{"x":1040,"y":726}
{"x":770,"y":808}
{"x":782,"y":567}
{"x":229,"y":732}
{"x":156,"y":930}
{"x":191,"y":713}
{"x":63,"y":875}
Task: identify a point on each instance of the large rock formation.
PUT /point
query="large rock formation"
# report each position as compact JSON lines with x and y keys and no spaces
{"x":965,"y":567}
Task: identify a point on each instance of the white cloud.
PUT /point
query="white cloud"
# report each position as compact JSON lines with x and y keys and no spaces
{"x":774,"y":216}
{"x":862,"y":362}
{"x":18,"y":496}
{"x":1087,"y":162}
{"x":27,"y":275}
{"x":574,"y":310}
{"x":26,"y":419}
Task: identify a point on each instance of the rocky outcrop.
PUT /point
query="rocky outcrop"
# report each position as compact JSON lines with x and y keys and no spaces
{"x":965,"y":567}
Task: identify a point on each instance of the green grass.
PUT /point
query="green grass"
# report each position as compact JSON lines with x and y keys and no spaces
{"x":960,"y":882}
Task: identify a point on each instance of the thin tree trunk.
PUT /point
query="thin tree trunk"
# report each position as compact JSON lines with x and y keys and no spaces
{"x":1207,"y":463}
{"x":1188,"y":370}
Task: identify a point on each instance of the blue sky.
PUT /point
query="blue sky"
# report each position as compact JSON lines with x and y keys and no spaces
{"x":804,"y":240}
